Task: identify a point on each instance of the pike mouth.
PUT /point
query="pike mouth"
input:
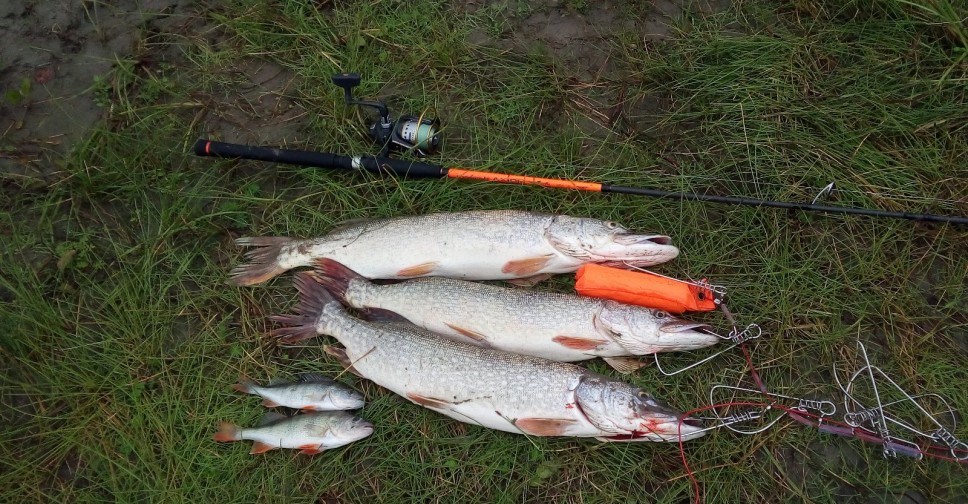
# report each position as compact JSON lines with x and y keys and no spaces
{"x":690,"y":428}
{"x":680,"y":327}
{"x":633,"y":239}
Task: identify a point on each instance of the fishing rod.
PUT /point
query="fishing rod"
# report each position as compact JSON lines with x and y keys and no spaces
{"x":421,"y":136}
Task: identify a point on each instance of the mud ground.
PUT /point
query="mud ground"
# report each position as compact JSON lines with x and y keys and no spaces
{"x":56,"y":57}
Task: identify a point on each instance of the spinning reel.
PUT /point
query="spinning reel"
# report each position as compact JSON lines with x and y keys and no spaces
{"x":408,"y":133}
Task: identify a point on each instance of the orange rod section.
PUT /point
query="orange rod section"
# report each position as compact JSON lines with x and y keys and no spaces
{"x":460,"y":173}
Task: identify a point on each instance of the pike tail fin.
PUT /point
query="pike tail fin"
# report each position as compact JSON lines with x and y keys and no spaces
{"x":302,"y":324}
{"x":336,"y":278}
{"x":263,"y":261}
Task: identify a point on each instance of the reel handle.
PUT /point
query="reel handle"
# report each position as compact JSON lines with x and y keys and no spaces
{"x":348,"y":81}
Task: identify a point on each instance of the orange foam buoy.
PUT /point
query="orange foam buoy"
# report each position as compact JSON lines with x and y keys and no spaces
{"x":643,"y":288}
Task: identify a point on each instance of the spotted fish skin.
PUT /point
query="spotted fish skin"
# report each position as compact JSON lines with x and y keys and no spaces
{"x":499,"y":390}
{"x":477,"y":245}
{"x":561,"y":327}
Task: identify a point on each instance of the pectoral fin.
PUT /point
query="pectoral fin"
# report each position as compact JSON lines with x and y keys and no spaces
{"x":578,"y":343}
{"x":428,"y":402}
{"x":474,"y":335}
{"x":544,"y":426}
{"x":624,"y":365}
{"x":418,"y":270}
{"x":343,"y":359}
{"x":526,"y":267}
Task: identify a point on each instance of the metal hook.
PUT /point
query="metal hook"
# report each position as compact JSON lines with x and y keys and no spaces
{"x":826,"y":191}
{"x":751,"y":332}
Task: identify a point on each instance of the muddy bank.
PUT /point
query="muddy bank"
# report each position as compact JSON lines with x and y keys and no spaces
{"x":55,"y":55}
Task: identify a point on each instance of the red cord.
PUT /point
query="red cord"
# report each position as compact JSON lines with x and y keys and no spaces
{"x":682,"y":449}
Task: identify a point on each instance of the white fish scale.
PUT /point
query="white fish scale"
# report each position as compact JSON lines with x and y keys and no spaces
{"x":471,"y":245}
{"x":479,"y":382}
{"x":298,"y":431}
{"x":291,"y":394}
{"x":514,"y":320}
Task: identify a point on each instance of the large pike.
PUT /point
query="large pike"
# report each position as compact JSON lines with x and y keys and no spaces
{"x":499,"y":390}
{"x":477,"y":245}
{"x":561,"y":327}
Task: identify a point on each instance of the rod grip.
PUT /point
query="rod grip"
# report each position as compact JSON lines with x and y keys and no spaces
{"x":379,"y":165}
{"x":286,"y":156}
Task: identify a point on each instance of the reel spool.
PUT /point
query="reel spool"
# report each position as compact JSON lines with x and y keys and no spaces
{"x":408,"y":133}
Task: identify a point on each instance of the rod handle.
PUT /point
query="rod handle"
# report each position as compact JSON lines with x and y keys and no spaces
{"x":373,"y":164}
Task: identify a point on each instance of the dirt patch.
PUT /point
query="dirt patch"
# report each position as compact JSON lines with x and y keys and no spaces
{"x":587,"y":40}
{"x":52,"y":55}
{"x":259,"y":110}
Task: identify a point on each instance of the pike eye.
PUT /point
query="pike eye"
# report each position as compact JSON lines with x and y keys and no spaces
{"x":611,"y":225}
{"x":643,"y":394}
{"x":659,"y":314}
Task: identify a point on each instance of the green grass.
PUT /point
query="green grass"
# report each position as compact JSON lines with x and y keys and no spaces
{"x":123,"y":339}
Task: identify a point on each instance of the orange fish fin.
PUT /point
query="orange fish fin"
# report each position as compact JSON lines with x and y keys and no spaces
{"x":544,"y":426}
{"x":260,"y":447}
{"x":310,"y":449}
{"x":577,"y":343}
{"x":226,"y":432}
{"x":417,"y":270}
{"x":310,"y":408}
{"x":343,"y":359}
{"x":336,"y":277}
{"x":269,"y":403}
{"x":263,"y":260}
{"x":624,"y":365}
{"x":243,"y":387}
{"x":474,"y":335}
{"x":530,"y":281}
{"x":526,"y":267}
{"x":301,"y":325}
{"x":428,"y":402}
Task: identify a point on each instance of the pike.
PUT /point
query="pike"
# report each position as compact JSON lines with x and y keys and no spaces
{"x":498,"y":390}
{"x":475,"y":245}
{"x":560,"y":327}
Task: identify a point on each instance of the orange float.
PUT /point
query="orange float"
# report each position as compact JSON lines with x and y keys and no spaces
{"x":644,"y":288}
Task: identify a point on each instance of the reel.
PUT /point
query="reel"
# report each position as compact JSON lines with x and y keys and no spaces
{"x":407,"y":133}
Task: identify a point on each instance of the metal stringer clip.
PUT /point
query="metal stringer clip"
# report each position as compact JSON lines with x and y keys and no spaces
{"x":875,"y":418}
{"x":822,"y":409}
{"x":751,"y":332}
